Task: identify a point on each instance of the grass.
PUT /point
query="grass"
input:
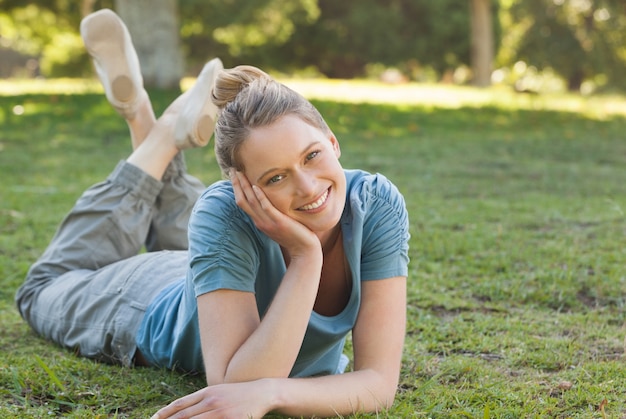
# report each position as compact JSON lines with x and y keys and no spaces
{"x":517,"y":287}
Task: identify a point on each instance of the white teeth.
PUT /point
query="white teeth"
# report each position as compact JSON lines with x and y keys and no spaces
{"x":317,"y":203}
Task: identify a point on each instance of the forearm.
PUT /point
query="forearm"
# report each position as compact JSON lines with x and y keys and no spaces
{"x":272,"y":348}
{"x":343,"y":394}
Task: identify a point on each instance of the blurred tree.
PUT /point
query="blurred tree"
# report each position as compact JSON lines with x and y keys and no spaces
{"x":236,"y":30}
{"x":482,"y":52}
{"x":154,"y":28}
{"x":242,"y":31}
{"x":579,"y":40}
{"x":408,"y":34}
{"x":349,"y":35}
{"x":47,"y":32}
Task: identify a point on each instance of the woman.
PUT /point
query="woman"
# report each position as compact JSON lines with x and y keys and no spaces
{"x":277,"y":265}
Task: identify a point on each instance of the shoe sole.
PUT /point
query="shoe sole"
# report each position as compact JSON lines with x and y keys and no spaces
{"x":204,"y":129}
{"x":200,"y":109}
{"x":104,"y":46}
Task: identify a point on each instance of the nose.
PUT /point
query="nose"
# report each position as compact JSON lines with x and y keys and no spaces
{"x":304,"y":184}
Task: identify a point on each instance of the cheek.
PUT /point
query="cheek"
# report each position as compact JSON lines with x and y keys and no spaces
{"x":341,"y":185}
{"x":278,"y":201}
{"x":339,"y":174}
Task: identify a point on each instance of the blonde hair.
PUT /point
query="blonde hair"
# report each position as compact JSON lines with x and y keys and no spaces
{"x":248,"y":98}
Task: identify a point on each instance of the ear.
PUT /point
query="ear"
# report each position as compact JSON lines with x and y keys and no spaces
{"x":335,"y":144}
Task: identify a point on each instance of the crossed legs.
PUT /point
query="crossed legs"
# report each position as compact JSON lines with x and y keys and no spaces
{"x":89,"y":289}
{"x":188,"y":122}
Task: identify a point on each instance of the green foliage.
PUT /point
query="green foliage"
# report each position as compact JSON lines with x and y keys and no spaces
{"x":48,"y":34}
{"x":238,"y":30}
{"x":517,"y":284}
{"x":409,"y":34}
{"x":579,"y":40}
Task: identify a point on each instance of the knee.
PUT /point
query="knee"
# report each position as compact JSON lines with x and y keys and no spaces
{"x":26,"y":294}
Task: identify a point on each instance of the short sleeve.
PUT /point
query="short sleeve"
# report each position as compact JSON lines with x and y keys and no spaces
{"x":223,"y":246}
{"x":385,"y":240}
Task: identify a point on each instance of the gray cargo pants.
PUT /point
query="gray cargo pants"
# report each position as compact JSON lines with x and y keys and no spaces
{"x":90,"y":288}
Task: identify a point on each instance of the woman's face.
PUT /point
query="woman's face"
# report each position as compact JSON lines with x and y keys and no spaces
{"x":297,"y":167}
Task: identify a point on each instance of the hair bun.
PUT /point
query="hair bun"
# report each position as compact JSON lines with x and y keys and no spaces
{"x":232,"y":81}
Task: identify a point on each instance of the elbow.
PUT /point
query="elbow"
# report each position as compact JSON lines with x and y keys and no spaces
{"x":387,"y":396}
{"x":379,"y":402}
{"x":383,"y":394}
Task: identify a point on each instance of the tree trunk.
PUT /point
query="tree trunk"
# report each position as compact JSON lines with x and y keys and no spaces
{"x":86,"y":7}
{"x":575,"y":80}
{"x":482,"y":52}
{"x":154,"y":28}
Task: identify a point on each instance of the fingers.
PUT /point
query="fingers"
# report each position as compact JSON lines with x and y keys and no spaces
{"x":246,"y":188}
{"x":237,"y":188}
{"x":251,"y":199}
{"x":286,"y":231}
{"x":260,"y":196}
{"x":244,"y":195}
{"x":221,"y":401}
{"x":189,"y":404}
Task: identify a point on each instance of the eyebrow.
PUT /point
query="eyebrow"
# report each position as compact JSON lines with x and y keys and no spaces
{"x":304,"y":151}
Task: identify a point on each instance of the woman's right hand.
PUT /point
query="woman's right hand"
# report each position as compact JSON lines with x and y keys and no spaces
{"x":293,"y":236}
{"x":239,"y":345}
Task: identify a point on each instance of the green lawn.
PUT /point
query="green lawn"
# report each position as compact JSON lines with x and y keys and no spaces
{"x":517,"y":285}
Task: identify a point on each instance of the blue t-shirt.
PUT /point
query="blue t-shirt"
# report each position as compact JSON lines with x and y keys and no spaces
{"x":227,"y":251}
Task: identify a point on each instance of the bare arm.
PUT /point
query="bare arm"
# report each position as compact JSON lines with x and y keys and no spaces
{"x":246,"y":375}
{"x":378,"y":338}
{"x":236,"y":344}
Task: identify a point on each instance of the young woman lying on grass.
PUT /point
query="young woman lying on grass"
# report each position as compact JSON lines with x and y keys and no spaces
{"x":256,"y":280}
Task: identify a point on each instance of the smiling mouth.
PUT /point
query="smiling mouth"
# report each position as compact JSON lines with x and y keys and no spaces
{"x":320,"y":201}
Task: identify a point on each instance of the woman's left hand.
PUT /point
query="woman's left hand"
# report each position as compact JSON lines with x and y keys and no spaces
{"x":236,"y":400}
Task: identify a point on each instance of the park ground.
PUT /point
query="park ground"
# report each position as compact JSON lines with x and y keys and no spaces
{"x":517,"y":281}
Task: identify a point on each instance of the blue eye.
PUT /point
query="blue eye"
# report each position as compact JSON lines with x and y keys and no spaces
{"x":312,"y":155}
{"x":274,"y":179}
